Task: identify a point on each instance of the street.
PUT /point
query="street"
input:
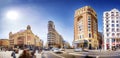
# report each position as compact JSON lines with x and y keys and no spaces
{"x":50,"y":54}
{"x":68,"y":53}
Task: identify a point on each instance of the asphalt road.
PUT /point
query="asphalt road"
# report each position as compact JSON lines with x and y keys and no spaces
{"x":50,"y":54}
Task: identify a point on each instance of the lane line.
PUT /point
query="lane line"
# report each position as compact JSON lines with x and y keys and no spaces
{"x":57,"y":55}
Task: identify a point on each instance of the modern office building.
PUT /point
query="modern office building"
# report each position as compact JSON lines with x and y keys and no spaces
{"x":54,"y":39}
{"x":24,"y":38}
{"x":85,"y":28}
{"x":111,"y":29}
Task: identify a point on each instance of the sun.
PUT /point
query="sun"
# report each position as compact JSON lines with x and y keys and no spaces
{"x":13,"y":15}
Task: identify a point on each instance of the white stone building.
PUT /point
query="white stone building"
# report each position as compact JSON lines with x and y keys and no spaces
{"x":111,"y":29}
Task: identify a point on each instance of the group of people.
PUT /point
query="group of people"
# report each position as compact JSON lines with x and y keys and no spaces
{"x":3,"y":49}
{"x":25,"y":54}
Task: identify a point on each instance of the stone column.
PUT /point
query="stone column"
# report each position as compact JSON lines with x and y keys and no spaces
{"x":105,"y":47}
{"x":110,"y":44}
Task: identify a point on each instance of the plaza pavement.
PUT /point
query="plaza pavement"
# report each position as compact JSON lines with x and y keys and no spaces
{"x":96,"y":53}
{"x":7,"y":54}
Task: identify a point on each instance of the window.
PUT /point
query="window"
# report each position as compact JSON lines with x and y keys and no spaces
{"x":118,"y":34}
{"x":107,"y":34}
{"x":112,"y":21}
{"x":112,"y":17}
{"x":89,"y":29}
{"x":113,"y":34}
{"x":117,"y":14}
{"x":88,"y":26}
{"x":112,"y":25}
{"x":106,"y":18}
{"x":107,"y":30}
{"x":117,"y":25}
{"x":113,"y":40}
{"x":88,"y":17}
{"x":89,"y":40}
{"x":117,"y":30}
{"x":106,"y":14}
{"x":113,"y":29}
{"x":106,"y":21}
{"x":116,"y":17}
{"x":89,"y":35}
{"x":116,"y":21}
{"x":107,"y":25}
{"x":107,"y":40}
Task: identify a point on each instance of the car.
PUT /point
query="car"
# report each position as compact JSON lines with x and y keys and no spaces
{"x":78,"y":49}
{"x":46,"y":49}
{"x":53,"y":49}
{"x":62,"y":49}
{"x":56,"y":50}
{"x":85,"y":50}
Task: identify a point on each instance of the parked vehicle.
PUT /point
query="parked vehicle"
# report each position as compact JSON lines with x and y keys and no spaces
{"x":78,"y":49}
{"x":62,"y":49}
{"x":46,"y":49}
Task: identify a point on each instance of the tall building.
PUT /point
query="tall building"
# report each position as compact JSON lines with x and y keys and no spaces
{"x":85,"y":28}
{"x":54,"y":39}
{"x":100,"y":39}
{"x":66,"y":44}
{"x":4,"y":42}
{"x":111,"y":29}
{"x":24,"y":38}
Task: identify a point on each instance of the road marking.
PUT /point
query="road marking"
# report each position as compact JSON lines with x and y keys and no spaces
{"x":57,"y":55}
{"x":77,"y":54}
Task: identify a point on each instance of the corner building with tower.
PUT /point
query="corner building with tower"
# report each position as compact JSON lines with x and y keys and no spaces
{"x":85,"y":28}
{"x":54,"y":39}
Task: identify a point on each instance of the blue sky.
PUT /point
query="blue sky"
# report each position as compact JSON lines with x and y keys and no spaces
{"x":37,"y":13}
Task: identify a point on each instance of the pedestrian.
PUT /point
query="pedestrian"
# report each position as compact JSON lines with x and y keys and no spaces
{"x":13,"y":54}
{"x":25,"y":54}
{"x":33,"y":54}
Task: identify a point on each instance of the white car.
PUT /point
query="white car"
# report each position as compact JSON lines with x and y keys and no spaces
{"x":78,"y":49}
{"x":62,"y":49}
{"x":56,"y":50}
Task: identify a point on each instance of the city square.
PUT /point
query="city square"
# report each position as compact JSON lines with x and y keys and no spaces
{"x":59,"y":29}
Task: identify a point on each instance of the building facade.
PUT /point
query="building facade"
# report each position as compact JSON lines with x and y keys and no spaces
{"x":100,"y":39}
{"x":24,"y":38}
{"x":54,"y":39}
{"x":111,"y":29}
{"x":4,"y":42}
{"x":66,"y":45}
{"x":85,"y":28}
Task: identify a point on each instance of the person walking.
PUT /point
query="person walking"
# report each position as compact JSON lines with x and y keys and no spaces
{"x":25,"y":54}
{"x":13,"y":54}
{"x":33,"y":54}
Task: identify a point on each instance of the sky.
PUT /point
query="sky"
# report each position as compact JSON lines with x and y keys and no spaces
{"x":37,"y":13}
